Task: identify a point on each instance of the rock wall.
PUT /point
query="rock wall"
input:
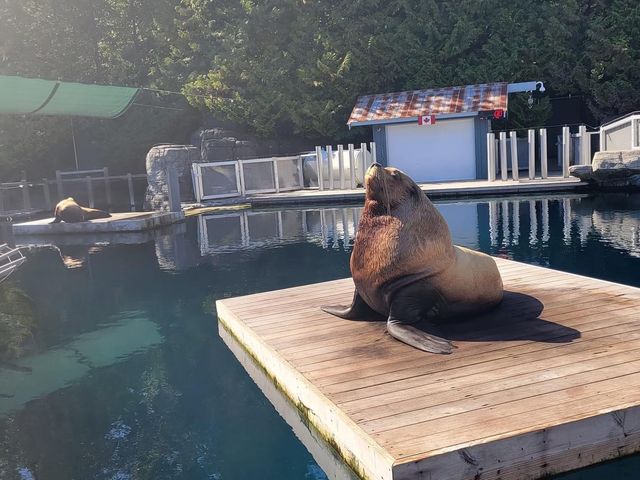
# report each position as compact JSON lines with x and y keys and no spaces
{"x":158,"y":158}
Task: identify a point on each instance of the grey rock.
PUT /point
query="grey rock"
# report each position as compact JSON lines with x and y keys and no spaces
{"x":583,"y":172}
{"x":621,"y":163}
{"x":158,"y":158}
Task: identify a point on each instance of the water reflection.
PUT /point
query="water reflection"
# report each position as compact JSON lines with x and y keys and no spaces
{"x":139,"y":384}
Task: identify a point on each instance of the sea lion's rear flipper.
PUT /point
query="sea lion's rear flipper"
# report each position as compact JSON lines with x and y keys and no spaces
{"x":358,"y":310}
{"x":410,"y":306}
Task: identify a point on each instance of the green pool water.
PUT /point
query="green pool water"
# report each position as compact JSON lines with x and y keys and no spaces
{"x":112,"y":367}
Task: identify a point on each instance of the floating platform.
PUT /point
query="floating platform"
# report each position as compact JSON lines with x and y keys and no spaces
{"x":434,"y":190}
{"x":118,"y":222}
{"x":547,"y":382}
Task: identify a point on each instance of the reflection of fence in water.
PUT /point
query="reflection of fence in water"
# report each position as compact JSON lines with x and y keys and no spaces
{"x":505,"y":216}
{"x":242,"y":230}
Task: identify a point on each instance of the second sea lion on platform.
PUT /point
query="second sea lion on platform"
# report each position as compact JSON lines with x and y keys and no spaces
{"x":69,"y":211}
{"x":406,"y":268}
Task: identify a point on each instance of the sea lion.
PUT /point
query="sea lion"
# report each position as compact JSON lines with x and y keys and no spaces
{"x":69,"y":211}
{"x":406,"y":268}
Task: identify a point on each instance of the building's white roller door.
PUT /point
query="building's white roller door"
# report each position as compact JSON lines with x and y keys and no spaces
{"x":444,"y":151}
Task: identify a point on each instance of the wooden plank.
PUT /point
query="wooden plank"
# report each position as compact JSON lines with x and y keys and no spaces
{"x":547,"y":382}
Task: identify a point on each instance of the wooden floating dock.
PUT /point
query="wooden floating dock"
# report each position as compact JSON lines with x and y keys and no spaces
{"x":548,"y":382}
{"x":118,"y":222}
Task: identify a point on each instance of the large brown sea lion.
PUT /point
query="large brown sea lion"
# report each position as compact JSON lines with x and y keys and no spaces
{"x":405,"y":267}
{"x":69,"y":211}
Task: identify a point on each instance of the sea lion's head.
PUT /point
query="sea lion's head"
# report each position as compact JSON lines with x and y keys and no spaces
{"x":390,"y":187}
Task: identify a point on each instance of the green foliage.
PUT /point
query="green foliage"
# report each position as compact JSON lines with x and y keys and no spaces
{"x":295,"y":67}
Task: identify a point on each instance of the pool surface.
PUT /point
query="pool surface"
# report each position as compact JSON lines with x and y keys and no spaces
{"x":111,"y":367}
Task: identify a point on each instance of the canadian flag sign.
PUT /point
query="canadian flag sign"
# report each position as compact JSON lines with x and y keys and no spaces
{"x":426,"y":120}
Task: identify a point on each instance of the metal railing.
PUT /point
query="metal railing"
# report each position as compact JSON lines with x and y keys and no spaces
{"x":104,"y":191}
{"x":330,"y":168}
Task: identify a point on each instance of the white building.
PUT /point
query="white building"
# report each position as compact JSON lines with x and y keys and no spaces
{"x":436,"y":134}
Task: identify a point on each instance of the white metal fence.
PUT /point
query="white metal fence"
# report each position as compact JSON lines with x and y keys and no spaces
{"x":325,"y":169}
{"x":503,"y":153}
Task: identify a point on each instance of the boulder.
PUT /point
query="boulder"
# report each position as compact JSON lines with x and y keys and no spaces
{"x":158,"y":159}
{"x":616,"y":169}
{"x":622,"y":163}
{"x":583,"y":172}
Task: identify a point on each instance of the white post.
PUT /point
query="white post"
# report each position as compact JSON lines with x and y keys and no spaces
{"x":330,"y":163}
{"x":300,"y":172}
{"x":341,"y":165}
{"x":132,"y":202}
{"x":543,"y":152}
{"x":320,"y":168}
{"x":532,"y":154}
{"x":374,"y":153}
{"x":582,"y":132}
{"x":90,"y":191}
{"x":365,"y":164}
{"x":503,"y":156}
{"x":514,"y":155}
{"x":491,"y":157}
{"x":352,"y":165}
{"x":566,"y":151}
{"x":276,"y":177}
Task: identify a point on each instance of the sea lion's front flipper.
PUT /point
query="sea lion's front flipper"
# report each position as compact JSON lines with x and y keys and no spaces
{"x":358,"y":310}
{"x":57,"y":219}
{"x":410,"y":306}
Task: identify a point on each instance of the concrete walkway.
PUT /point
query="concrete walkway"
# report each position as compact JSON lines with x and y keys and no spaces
{"x":433,"y":190}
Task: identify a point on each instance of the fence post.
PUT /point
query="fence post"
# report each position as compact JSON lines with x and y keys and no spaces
{"x":352,"y":165}
{"x":365,"y":152}
{"x":503,"y":156}
{"x":532,"y":153}
{"x":582,"y":131}
{"x":132,"y":202}
{"x":374,"y":153}
{"x":491,"y":156}
{"x":330,"y":162}
{"x":47,"y":193}
{"x":566,"y":151}
{"x":514,"y":156}
{"x":90,"y":192}
{"x":60,"y":186}
{"x":26,"y":200}
{"x":341,"y":165}
{"x":320,"y":168}
{"x":276,"y":178}
{"x":1,"y":199}
{"x":173,"y":189}
{"x":300,"y":172}
{"x":543,"y":152}
{"x":107,"y":186}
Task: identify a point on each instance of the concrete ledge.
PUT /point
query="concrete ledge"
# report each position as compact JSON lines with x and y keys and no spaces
{"x":118,"y":222}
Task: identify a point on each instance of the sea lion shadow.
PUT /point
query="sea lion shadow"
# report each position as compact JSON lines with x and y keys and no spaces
{"x":517,"y":317}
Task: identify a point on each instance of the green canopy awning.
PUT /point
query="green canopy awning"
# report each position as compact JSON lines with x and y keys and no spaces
{"x":19,"y":95}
